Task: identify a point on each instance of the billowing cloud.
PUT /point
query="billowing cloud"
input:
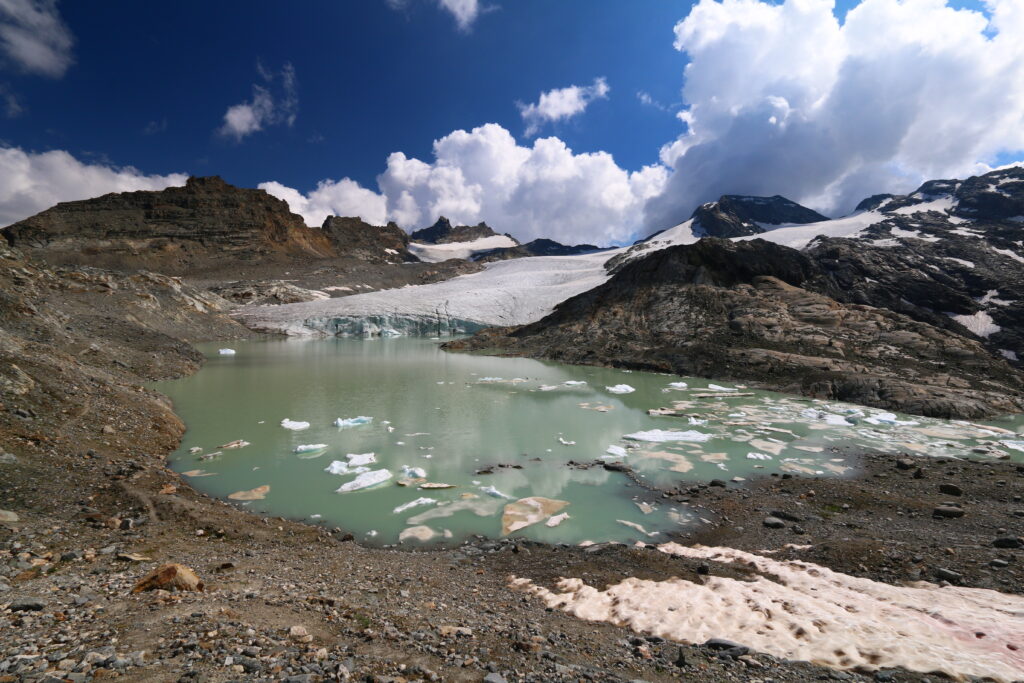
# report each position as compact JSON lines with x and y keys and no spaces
{"x":344,"y":197}
{"x":560,"y":104}
{"x":266,"y":107}
{"x":783,"y":98}
{"x":465,"y":12}
{"x":545,"y":190}
{"x":33,"y":182}
{"x":34,"y":38}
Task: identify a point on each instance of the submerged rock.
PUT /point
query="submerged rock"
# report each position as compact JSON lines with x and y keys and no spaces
{"x":526,"y":511}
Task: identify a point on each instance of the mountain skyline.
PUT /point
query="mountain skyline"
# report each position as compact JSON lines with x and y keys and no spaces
{"x":613,"y":123}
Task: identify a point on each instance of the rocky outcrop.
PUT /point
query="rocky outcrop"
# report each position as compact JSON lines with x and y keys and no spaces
{"x":737,"y":215}
{"x":375,"y":243}
{"x":443,"y":232}
{"x":762,"y":313}
{"x":538,"y":247}
{"x":206,"y":222}
{"x":265,"y":292}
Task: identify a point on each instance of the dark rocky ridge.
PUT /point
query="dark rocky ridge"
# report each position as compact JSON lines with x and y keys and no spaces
{"x":207,"y":223}
{"x":737,"y":215}
{"x":759,"y":312}
{"x":443,"y":232}
{"x":538,"y":247}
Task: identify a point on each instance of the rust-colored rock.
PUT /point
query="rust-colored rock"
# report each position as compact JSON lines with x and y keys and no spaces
{"x":170,"y":577}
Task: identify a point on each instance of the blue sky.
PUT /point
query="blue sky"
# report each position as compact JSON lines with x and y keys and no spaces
{"x":825,"y":104}
{"x":371,"y":81}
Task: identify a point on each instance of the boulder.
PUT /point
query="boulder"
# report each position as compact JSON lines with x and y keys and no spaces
{"x":169,"y":577}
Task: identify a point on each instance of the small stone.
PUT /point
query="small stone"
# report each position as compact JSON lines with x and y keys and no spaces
{"x":998,"y":563}
{"x":494,"y":678}
{"x":8,"y":459}
{"x":27,"y":605}
{"x":948,"y":511}
{"x":108,"y":429}
{"x":905,"y":464}
{"x":169,"y":577}
{"x":774,"y":523}
{"x":717,"y":482}
{"x":1007,"y":542}
{"x":8,"y":517}
{"x":947,"y":575}
{"x":951,"y":489}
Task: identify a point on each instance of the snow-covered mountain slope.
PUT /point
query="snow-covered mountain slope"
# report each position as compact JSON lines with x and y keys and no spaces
{"x":435,"y":253}
{"x":950,"y":254}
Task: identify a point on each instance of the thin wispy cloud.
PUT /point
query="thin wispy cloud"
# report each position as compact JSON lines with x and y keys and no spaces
{"x":274,"y":101}
{"x":34,"y":38}
{"x":560,"y":104}
{"x":465,"y":12}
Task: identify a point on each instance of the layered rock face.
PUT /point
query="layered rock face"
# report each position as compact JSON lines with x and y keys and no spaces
{"x":206,"y":222}
{"x":443,"y":232}
{"x":737,"y":215}
{"x":760,"y":312}
{"x":374,"y":243}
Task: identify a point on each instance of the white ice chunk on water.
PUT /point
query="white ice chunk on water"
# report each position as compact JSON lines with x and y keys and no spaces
{"x":573,"y":383}
{"x":295,"y":425}
{"x":414,"y":503}
{"x":353,"y":421}
{"x":697,"y":422}
{"x":758,"y":456}
{"x":617,"y":451}
{"x":678,"y":385}
{"x":226,"y":352}
{"x":1015,"y":445}
{"x":715,"y":387}
{"x":547,"y":387}
{"x":658,"y":435}
{"x":342,"y":467}
{"x":492,"y":379}
{"x":566,"y":443}
{"x":889,"y":418}
{"x":827,"y":418}
{"x":413,"y":472}
{"x":494,"y":493}
{"x":365,"y":480}
{"x":356,"y":459}
{"x":309,"y":447}
{"x":621,"y":389}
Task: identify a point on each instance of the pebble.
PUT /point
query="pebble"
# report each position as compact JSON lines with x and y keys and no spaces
{"x":774,"y":523}
{"x":1007,"y":542}
{"x":27,"y":604}
{"x":951,"y":489}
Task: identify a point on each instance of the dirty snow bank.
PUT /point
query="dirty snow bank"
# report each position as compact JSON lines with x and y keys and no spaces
{"x":815,"y":614}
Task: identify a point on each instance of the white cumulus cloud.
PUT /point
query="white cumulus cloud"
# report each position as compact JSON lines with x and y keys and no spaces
{"x":344,"y":197}
{"x":544,"y":190}
{"x":34,"y":37}
{"x":561,"y":103}
{"x":783,"y":98}
{"x":36,"y":181}
{"x":266,"y":107}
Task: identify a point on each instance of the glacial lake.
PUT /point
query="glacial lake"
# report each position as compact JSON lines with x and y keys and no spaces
{"x":495,"y":431}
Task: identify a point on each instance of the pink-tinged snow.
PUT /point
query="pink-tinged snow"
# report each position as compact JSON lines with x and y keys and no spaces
{"x":809,"y":612}
{"x":435,"y":253}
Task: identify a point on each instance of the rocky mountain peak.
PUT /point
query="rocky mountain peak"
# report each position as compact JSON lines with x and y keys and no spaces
{"x":738,"y":215}
{"x":443,"y":232}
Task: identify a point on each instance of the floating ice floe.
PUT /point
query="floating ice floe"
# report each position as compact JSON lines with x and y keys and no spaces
{"x":413,"y":472}
{"x":342,"y":467}
{"x":295,"y":425}
{"x":659,"y":435}
{"x":414,"y":503}
{"x":566,"y":443}
{"x":419,"y":533}
{"x":617,"y":451}
{"x":574,"y":383}
{"x":356,"y":459}
{"x":620,"y":389}
{"x":556,"y":519}
{"x":258,"y":493}
{"x":758,"y":456}
{"x":195,"y":449}
{"x":1015,"y":445}
{"x":239,"y":443}
{"x":309,"y":447}
{"x":827,"y":418}
{"x":353,"y":421}
{"x":678,"y":385}
{"x":716,"y":387}
{"x":494,"y":493}
{"x":226,"y":352}
{"x":547,"y":387}
{"x":527,"y":511}
{"x":890,"y":419}
{"x":365,"y":480}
